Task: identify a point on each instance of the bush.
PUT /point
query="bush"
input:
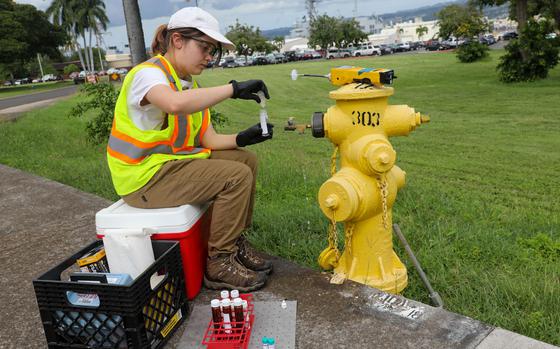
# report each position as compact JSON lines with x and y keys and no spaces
{"x":70,"y":68}
{"x":472,"y":51}
{"x":102,"y":97}
{"x":542,"y":54}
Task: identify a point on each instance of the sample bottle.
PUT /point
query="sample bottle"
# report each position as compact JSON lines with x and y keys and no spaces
{"x":238,"y":312}
{"x":234,"y":294}
{"x":224,"y":294}
{"x":216,"y":312}
{"x":264,"y":343}
{"x":226,"y":315}
{"x":245,"y":308}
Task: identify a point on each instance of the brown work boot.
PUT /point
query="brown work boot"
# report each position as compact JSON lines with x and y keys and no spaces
{"x":225,"y":272}
{"x":248,"y":256}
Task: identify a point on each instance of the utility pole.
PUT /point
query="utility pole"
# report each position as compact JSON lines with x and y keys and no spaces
{"x":134,"y":31}
{"x":99,"y":38}
{"x":40,"y":65}
{"x":311,"y":9}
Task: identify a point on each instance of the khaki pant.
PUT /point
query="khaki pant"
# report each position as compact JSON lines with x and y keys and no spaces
{"x":227,"y":178}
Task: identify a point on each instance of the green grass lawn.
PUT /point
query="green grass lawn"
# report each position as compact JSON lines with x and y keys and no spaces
{"x":482,"y":201}
{"x":12,"y":91}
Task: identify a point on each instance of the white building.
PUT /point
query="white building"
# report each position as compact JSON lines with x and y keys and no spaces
{"x":295,"y":44}
{"x":502,"y":25}
{"x":406,"y":31}
{"x":370,"y":24}
{"x":300,"y":29}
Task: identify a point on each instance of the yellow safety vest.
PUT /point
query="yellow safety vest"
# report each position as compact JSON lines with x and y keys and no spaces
{"x":135,"y":155}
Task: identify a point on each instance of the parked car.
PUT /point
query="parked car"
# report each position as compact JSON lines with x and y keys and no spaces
{"x":291,"y":56}
{"x":22,"y":81}
{"x":489,"y":39}
{"x":338,"y":53}
{"x":299,"y":55}
{"x":270,"y":58}
{"x":260,"y":60}
{"x":366,"y":50}
{"x":509,"y":35}
{"x":315,"y":54}
{"x":451,"y":43}
{"x":416,"y":45}
{"x":81,"y":77}
{"x":229,"y":62}
{"x":7,"y":83}
{"x":433,"y":45}
{"x":307,"y":54}
{"x":241,"y":61}
{"x":402,"y":47}
{"x":385,"y":49}
{"x":48,"y":77}
{"x":280,"y":58}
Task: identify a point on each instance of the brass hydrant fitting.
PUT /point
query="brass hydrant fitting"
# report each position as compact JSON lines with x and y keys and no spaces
{"x":362,"y":193}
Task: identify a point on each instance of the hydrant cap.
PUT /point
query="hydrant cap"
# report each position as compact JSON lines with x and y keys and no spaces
{"x":381,"y":157}
{"x":317,"y":125}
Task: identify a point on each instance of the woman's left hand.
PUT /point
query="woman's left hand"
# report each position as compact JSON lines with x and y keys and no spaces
{"x":253,"y":135}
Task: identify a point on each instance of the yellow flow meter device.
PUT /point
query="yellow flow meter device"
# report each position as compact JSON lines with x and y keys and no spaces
{"x":362,"y":192}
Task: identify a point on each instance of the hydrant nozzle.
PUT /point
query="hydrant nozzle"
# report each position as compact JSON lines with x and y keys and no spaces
{"x":332,"y":201}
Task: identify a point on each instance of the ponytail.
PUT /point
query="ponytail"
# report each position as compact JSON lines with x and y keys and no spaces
{"x":159,"y":44}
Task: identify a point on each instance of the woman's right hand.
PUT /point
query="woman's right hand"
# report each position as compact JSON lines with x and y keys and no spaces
{"x":248,"y":89}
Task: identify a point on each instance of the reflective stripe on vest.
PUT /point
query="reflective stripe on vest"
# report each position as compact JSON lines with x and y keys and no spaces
{"x":131,"y":150}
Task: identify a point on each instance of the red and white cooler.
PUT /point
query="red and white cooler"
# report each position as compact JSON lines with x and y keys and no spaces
{"x":188,"y":224}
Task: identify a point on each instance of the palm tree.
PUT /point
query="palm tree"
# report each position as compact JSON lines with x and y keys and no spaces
{"x":63,"y":13}
{"x":92,"y":17}
{"x":421,"y":31}
{"x":78,"y":17}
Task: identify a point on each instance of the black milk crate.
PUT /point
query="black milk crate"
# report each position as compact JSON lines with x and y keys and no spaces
{"x":133,"y":316}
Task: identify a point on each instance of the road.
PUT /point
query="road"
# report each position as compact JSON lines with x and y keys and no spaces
{"x":37,"y":97}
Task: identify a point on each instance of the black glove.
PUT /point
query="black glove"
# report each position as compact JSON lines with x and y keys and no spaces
{"x":248,"y":89}
{"x":253,"y":135}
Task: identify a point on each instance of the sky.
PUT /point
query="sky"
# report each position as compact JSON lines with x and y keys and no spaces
{"x":265,"y":14}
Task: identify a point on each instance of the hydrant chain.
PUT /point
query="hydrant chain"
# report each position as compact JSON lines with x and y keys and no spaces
{"x":384,"y":191}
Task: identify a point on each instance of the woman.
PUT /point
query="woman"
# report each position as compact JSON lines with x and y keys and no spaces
{"x":164,"y":152}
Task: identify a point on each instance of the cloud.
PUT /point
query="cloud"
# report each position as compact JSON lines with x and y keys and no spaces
{"x":225,"y":4}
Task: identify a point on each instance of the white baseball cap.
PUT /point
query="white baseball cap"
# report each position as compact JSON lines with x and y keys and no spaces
{"x":194,"y":17}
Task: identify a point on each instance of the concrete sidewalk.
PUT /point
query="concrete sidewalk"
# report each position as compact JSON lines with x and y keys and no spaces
{"x":43,"y":222}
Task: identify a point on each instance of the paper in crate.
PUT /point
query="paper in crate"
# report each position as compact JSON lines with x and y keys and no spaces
{"x":187,"y":224}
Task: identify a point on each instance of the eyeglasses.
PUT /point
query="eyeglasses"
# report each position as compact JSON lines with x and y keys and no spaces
{"x":208,"y":47}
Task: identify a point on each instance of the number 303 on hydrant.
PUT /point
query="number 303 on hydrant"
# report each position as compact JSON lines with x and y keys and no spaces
{"x":362,"y":192}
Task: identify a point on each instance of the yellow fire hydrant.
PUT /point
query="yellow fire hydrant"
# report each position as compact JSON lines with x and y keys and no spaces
{"x":362,"y":193}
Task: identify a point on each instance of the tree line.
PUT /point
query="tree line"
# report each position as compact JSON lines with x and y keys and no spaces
{"x":26,"y":33}
{"x":28,"y":36}
{"x":528,"y":57}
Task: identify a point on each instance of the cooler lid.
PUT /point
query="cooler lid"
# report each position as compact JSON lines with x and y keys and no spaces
{"x":163,"y":220}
